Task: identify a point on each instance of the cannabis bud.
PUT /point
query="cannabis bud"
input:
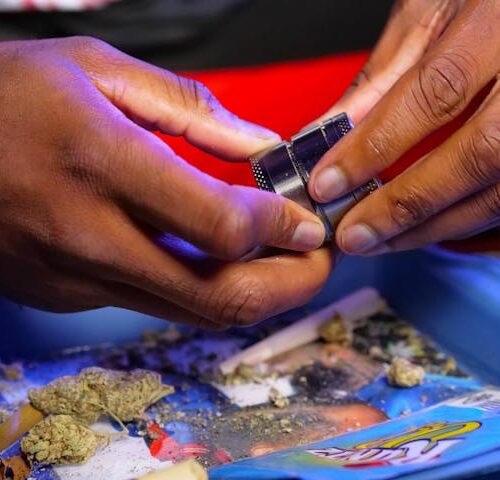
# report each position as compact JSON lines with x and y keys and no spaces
{"x":403,"y":373}
{"x":97,"y":391}
{"x":60,"y":440}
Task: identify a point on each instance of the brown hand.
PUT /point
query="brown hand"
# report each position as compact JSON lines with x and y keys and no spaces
{"x":93,"y":206}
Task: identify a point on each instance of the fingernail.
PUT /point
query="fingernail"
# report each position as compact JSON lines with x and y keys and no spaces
{"x":308,"y":236}
{"x":330,"y":183}
{"x":358,"y":239}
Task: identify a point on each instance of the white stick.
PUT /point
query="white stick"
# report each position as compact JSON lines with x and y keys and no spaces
{"x":360,"y":304}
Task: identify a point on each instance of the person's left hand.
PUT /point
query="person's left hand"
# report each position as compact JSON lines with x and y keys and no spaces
{"x":433,"y":59}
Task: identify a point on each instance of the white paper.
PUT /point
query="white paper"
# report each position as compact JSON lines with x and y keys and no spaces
{"x":123,"y":459}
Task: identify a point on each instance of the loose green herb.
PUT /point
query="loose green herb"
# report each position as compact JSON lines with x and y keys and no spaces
{"x":61,"y":440}
{"x":96,"y":391}
{"x":335,"y":331}
{"x":403,"y":373}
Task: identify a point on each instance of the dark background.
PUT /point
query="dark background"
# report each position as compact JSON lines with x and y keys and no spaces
{"x":200,"y":34}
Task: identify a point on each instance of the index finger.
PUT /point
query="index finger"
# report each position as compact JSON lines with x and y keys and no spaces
{"x":159,"y":189}
{"x":427,"y":97}
{"x":158,"y":99}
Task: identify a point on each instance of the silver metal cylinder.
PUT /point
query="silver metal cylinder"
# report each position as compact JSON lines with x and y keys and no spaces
{"x":285,"y":169}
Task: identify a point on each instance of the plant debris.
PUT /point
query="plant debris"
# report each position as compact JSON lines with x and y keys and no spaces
{"x":242,"y":374}
{"x":278,"y":399}
{"x":325,"y":377}
{"x":385,"y":336}
{"x":168,"y":336}
{"x":97,"y":391}
{"x":4,"y":415}
{"x":13,"y":371}
{"x":14,"y":468}
{"x":61,"y":440}
{"x":335,"y":331}
{"x":403,"y":373}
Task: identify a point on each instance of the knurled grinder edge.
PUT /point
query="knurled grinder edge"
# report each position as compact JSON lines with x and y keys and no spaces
{"x":285,"y":169}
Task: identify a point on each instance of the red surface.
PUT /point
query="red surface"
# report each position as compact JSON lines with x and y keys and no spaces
{"x":283,"y":97}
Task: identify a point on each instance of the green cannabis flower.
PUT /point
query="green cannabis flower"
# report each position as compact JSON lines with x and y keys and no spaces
{"x":97,"y":391}
{"x":335,"y":331}
{"x":61,"y":440}
{"x":403,"y":373}
{"x":126,"y":394}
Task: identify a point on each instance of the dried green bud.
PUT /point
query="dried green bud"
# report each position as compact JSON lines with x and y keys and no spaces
{"x":96,"y":391}
{"x":403,"y":373}
{"x":61,"y":440}
{"x":127,"y":395}
{"x":335,"y":331}
{"x":68,"y":395}
{"x":278,"y":399}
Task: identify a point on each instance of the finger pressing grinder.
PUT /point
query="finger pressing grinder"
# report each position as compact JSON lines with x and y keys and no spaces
{"x":285,"y":169}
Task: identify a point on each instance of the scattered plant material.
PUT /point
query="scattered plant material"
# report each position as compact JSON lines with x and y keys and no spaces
{"x":335,"y":331}
{"x":4,"y":415}
{"x":161,"y":337}
{"x":242,"y":374}
{"x":385,"y":336}
{"x":12,"y":371}
{"x":278,"y":399}
{"x":403,"y":373}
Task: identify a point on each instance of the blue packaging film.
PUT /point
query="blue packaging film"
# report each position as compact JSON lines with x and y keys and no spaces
{"x":456,"y":430}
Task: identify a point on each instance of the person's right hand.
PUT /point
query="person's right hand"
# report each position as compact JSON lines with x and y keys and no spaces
{"x":96,"y":211}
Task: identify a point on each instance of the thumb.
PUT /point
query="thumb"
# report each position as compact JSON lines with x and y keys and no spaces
{"x":157,"y":99}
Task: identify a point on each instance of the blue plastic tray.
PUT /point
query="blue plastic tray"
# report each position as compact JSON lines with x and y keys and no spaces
{"x":453,"y":298}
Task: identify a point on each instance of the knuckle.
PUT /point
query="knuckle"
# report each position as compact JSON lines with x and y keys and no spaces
{"x":232,"y":230}
{"x":84,"y":45}
{"x":89,"y":52}
{"x":283,"y":221}
{"x":241,"y":302}
{"x":443,"y":86}
{"x":489,"y":141}
{"x":201,"y":97}
{"x":489,"y":202}
{"x":480,"y":158}
{"x":376,"y":146}
{"x":409,"y":208}
{"x":364,"y":76}
{"x":368,"y":77}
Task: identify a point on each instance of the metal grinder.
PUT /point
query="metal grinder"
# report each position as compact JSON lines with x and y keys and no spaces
{"x":285,"y":169}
